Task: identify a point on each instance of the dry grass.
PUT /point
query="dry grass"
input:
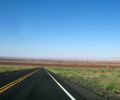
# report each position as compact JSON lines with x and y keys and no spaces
{"x":105,"y":79}
{"x":8,"y":68}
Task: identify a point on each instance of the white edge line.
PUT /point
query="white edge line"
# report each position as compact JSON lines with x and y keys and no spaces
{"x":70,"y":96}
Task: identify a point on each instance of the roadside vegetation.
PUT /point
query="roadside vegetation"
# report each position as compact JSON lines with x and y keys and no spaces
{"x":8,"y":68}
{"x":104,"y":82}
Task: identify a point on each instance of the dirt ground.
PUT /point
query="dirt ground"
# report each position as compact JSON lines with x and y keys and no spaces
{"x":59,"y":63}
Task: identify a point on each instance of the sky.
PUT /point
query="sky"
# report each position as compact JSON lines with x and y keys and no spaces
{"x":62,"y":29}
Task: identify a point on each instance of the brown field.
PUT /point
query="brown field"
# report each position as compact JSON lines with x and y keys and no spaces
{"x":58,"y":63}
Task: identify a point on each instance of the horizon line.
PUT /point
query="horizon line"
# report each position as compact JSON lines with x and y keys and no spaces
{"x":73,"y":59}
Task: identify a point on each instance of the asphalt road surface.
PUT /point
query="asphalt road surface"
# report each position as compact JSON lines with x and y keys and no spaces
{"x":36,"y":84}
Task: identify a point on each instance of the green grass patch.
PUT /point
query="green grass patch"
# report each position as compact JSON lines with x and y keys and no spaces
{"x":107,"y":79}
{"x":8,"y":68}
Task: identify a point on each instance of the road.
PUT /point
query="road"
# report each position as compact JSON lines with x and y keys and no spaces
{"x":37,"y":84}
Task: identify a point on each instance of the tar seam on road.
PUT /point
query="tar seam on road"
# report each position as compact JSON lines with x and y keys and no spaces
{"x":69,"y":95}
{"x":6,"y":87}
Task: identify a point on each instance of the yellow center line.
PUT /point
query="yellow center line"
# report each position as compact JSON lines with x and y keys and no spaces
{"x":7,"y":86}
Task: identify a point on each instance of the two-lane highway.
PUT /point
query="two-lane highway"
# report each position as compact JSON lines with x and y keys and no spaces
{"x":37,"y":85}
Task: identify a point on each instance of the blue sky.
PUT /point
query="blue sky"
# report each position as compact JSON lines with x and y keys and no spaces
{"x":72,"y":29}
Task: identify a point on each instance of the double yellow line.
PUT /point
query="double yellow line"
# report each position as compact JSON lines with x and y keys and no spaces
{"x":7,"y":86}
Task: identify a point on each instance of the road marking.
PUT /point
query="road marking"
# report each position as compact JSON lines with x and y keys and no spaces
{"x":6,"y":87}
{"x":70,"y":96}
